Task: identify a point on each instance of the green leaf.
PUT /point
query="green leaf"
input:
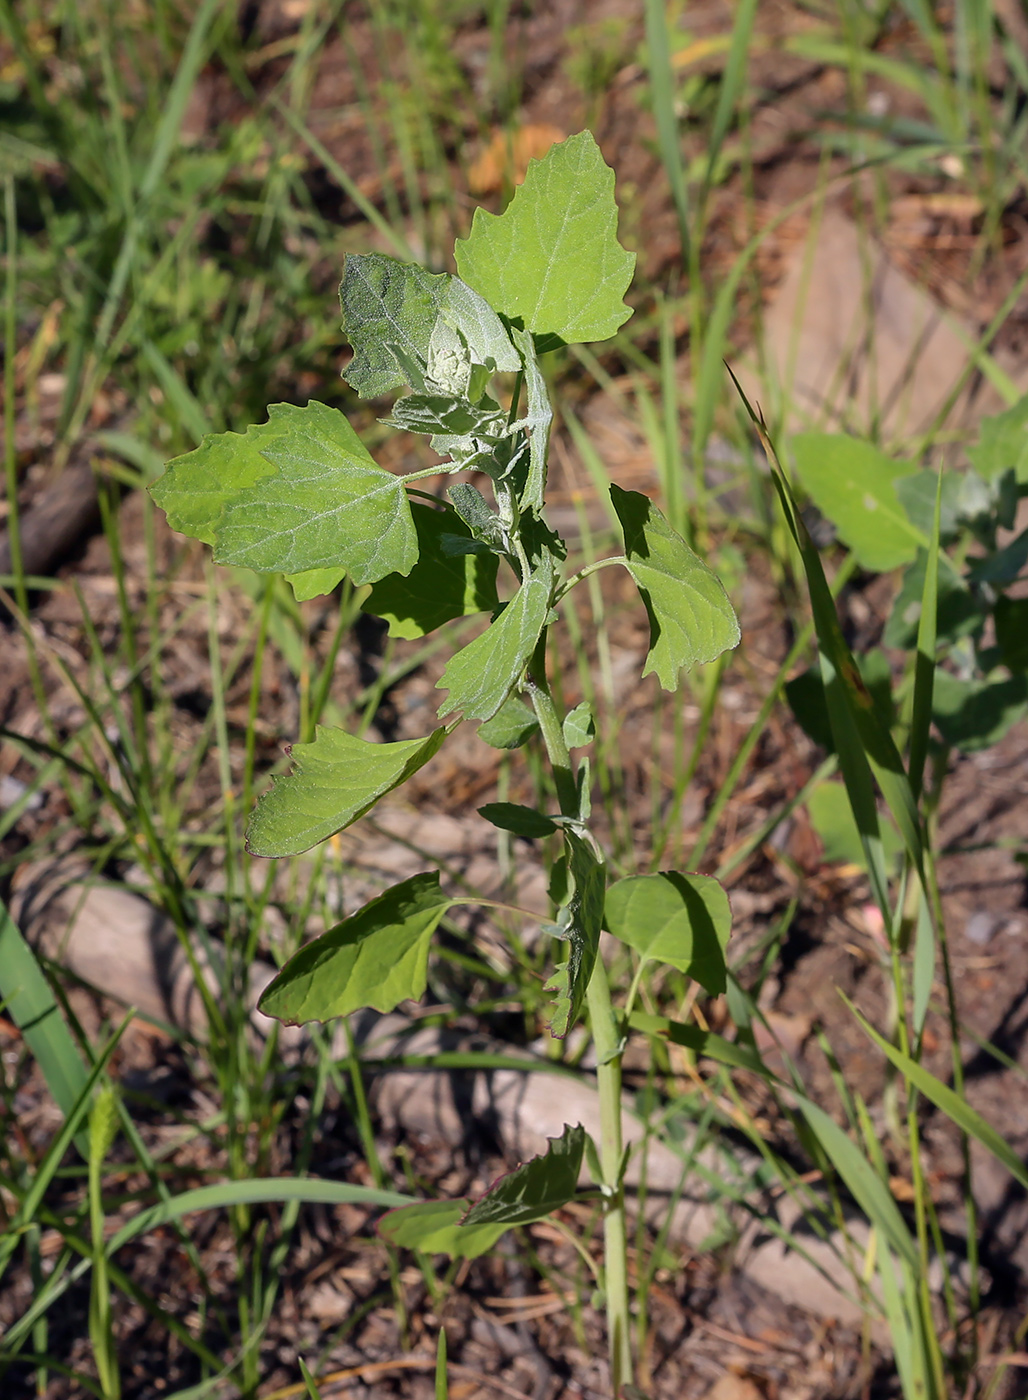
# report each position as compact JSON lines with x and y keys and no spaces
{"x":691,"y":619}
{"x":482,"y":675}
{"x":441,"y":586}
{"x":866,"y":1186}
{"x":378,"y":957}
{"x":410,"y":326}
{"x":1002,"y":566}
{"x":537,"y":422}
{"x":315,"y":583}
{"x":957,"y":612}
{"x":552,"y":259}
{"x":390,"y":310}
{"x":27,"y":1000}
{"x":433,"y":1227}
{"x":297,"y":493}
{"x":329,"y":504}
{"x":579,"y":922}
{"x":579,"y":726}
{"x":512,"y":725}
{"x":474,"y":510}
{"x":535,"y":1189}
{"x":806,"y":696}
{"x":522,"y":821}
{"x":681,"y":920}
{"x":1011,"y":617}
{"x":1003,"y":444}
{"x":831,"y":816}
{"x":975,"y":714}
{"x":854,"y":485}
{"x":336,"y":779}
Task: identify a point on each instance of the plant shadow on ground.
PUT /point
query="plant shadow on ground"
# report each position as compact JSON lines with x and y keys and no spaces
{"x":229,"y":304}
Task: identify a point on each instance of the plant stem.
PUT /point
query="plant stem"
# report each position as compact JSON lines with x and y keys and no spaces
{"x":608,"y":1076}
{"x":607,"y":1039}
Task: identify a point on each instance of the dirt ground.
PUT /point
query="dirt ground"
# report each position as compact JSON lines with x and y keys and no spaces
{"x":512,"y":1323}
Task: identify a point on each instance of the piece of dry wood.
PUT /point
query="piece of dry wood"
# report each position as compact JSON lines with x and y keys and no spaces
{"x":51,"y":528}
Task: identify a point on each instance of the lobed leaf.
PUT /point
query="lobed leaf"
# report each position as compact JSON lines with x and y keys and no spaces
{"x":482,"y":675}
{"x":552,"y":260}
{"x":378,"y":957}
{"x":336,"y":779}
{"x":1003,"y":444}
{"x":681,"y":920}
{"x":975,"y":714}
{"x":296,"y":494}
{"x":442,"y":585}
{"x":691,"y":619}
{"x":410,"y":326}
{"x":434,"y":1227}
{"x":534,"y":1189}
{"x":390,"y":309}
{"x":854,"y":485}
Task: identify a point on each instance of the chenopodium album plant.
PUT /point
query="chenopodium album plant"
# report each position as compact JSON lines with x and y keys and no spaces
{"x":301,"y":495}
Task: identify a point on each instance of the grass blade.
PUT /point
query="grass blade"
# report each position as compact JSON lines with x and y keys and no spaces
{"x":31,"y":1005}
{"x":950,"y":1102}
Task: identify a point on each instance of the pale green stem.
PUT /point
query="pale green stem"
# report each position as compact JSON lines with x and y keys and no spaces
{"x":607,"y":1040}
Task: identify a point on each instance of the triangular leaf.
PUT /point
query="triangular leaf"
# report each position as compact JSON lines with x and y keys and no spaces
{"x":442,"y":585}
{"x":535,"y":1189}
{"x":681,"y":920}
{"x":854,"y":485}
{"x":433,"y":1227}
{"x":552,"y":259}
{"x":580,"y":922}
{"x":378,"y":957}
{"x":691,"y":619}
{"x":336,"y":779}
{"x":512,"y":725}
{"x":482,"y":675}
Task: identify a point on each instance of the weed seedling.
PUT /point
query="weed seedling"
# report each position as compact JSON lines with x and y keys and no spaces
{"x":301,"y":495}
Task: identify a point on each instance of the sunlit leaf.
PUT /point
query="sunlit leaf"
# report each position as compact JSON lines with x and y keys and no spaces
{"x":482,"y":675}
{"x":854,"y":485}
{"x":378,"y":957}
{"x":433,"y":1227}
{"x":335,"y":780}
{"x":552,"y":259}
{"x":691,"y":619}
{"x":681,"y":920}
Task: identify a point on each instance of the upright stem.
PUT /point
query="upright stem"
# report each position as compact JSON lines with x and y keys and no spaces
{"x":607,"y":1040}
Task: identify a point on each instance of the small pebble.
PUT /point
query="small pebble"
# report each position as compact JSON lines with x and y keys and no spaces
{"x":981,"y":927}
